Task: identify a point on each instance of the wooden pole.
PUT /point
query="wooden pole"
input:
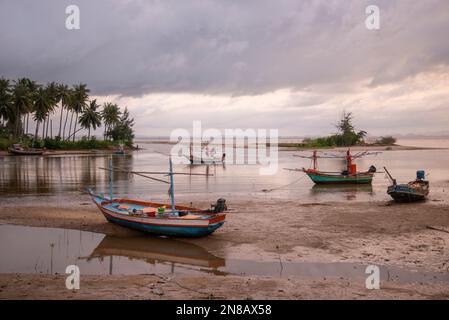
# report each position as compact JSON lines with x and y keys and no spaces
{"x":172,"y":189}
{"x":389,"y":175}
{"x":136,"y":173}
{"x":111,"y":196}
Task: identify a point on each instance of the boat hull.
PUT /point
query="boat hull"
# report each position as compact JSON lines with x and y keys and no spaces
{"x":168,"y":230}
{"x":403,"y":193}
{"x":198,"y":161}
{"x":167,"y":226}
{"x":338,"y":179}
{"x":25,"y":152}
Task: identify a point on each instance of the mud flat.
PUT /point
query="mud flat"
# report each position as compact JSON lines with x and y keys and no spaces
{"x":28,"y":286}
{"x":410,"y":237}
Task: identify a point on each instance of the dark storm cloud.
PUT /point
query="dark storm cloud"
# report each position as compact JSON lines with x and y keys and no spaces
{"x":231,"y":47}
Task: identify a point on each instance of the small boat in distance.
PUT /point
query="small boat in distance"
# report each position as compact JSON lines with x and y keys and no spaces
{"x":349,"y":175}
{"x":160,"y":218}
{"x":120,"y":149}
{"x":208,"y":158}
{"x":416,"y":190}
{"x":18,"y":149}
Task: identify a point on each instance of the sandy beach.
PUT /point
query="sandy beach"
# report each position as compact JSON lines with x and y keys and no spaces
{"x":414,"y":237}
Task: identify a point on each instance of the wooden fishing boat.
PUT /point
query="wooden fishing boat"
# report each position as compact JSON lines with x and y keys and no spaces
{"x":320,"y":177}
{"x":349,"y":175}
{"x":17,"y":149}
{"x":120,"y":150}
{"x":206,"y":159}
{"x":195,"y":160}
{"x":160,"y":218}
{"x":416,"y":190}
{"x":149,"y":217}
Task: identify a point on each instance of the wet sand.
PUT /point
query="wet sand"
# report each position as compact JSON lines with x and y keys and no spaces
{"x":415,"y":237}
{"x":25,"y":286}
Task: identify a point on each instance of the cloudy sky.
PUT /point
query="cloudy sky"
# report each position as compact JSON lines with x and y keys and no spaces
{"x":286,"y":64}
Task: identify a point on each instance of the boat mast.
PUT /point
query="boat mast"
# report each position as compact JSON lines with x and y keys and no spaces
{"x":348,"y":160}
{"x":172,"y":190}
{"x":111,"y":196}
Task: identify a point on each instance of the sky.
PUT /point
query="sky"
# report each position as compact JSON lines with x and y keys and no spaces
{"x":286,"y":64}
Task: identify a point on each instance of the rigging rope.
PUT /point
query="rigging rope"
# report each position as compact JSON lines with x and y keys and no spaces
{"x":286,"y":185}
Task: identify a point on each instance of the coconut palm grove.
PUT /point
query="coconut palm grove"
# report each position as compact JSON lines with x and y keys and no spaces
{"x":29,"y":110}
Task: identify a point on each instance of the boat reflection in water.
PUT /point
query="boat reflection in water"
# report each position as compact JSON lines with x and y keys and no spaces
{"x":349,"y":191}
{"x":154,"y":250}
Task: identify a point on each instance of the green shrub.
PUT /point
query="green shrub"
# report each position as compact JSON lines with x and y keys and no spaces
{"x":5,"y":143}
{"x":386,"y":141}
{"x":84,"y":143}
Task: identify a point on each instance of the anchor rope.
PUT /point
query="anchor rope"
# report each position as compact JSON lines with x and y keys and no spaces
{"x":283,"y":186}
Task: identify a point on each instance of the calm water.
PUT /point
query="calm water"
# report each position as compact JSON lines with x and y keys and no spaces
{"x":51,"y":250}
{"x":61,"y":180}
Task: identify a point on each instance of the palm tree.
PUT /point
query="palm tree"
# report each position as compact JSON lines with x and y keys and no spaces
{"x":68,"y":101}
{"x":32,"y":86}
{"x":42,"y":105}
{"x":79,"y":102}
{"x":63,"y":96}
{"x":52,"y":92}
{"x":90,"y":118}
{"x":111,"y":116}
{"x":5,"y":100}
{"x":22,"y":104}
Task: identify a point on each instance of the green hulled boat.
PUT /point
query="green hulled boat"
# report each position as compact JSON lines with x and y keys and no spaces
{"x":349,"y":175}
{"x":337,"y":178}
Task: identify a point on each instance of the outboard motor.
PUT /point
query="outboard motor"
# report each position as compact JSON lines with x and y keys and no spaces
{"x":420,"y":175}
{"x":372,"y":169}
{"x":220,"y":206}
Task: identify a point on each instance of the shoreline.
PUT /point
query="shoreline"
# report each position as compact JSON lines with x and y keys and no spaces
{"x":367,"y":233}
{"x":359,"y":148}
{"x":54,"y":152}
{"x":281,"y":148}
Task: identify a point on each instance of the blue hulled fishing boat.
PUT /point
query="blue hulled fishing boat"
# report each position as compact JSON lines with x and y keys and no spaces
{"x":159,"y":218}
{"x":416,"y":190}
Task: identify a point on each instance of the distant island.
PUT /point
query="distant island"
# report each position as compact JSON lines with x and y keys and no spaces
{"x":346,"y":136}
{"x":24,"y":101}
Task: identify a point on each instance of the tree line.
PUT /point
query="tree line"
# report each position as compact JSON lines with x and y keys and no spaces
{"x":346,"y":136}
{"x":25,"y":100}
